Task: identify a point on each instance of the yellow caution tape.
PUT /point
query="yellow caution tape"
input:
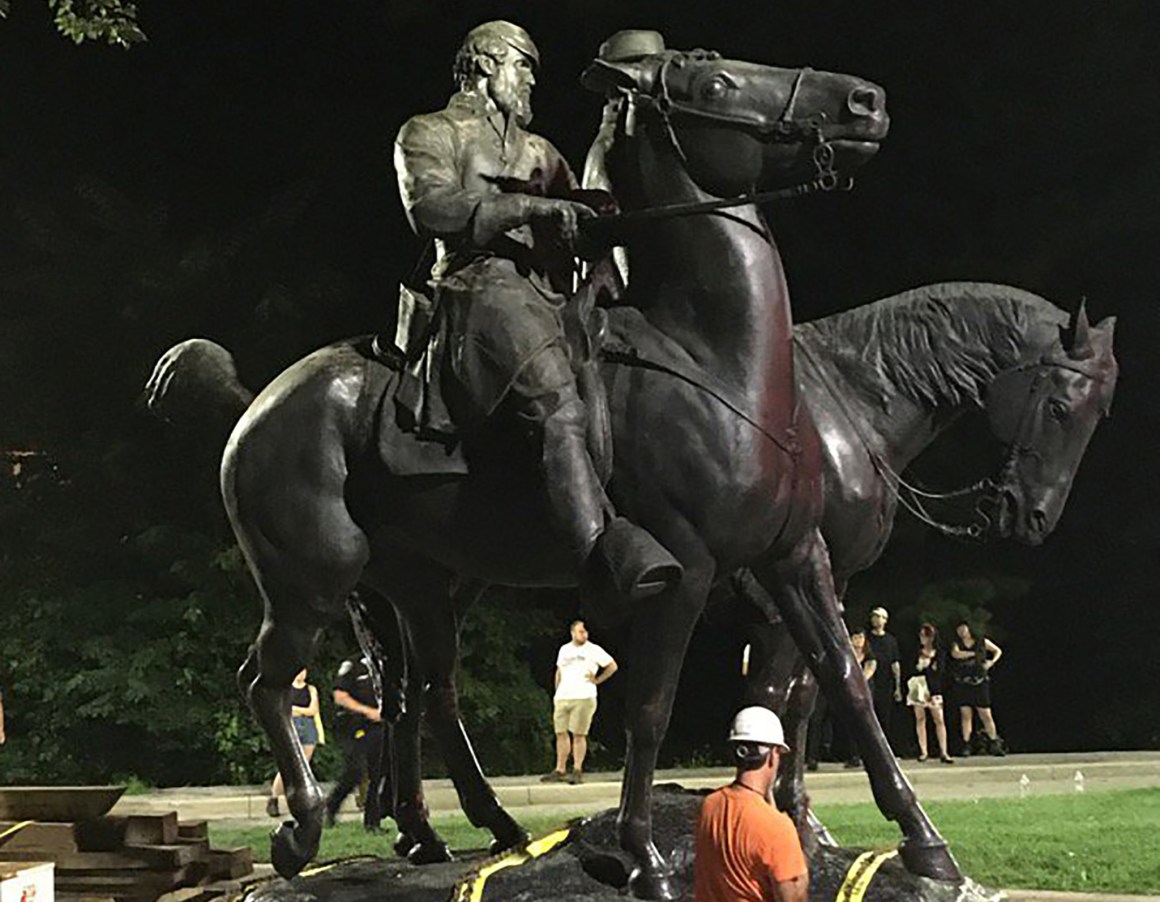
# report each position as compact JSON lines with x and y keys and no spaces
{"x":861,"y":872}
{"x":471,"y":890}
{"x":14,"y":829}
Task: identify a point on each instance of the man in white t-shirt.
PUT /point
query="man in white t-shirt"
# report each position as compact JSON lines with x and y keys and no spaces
{"x":581,"y":666}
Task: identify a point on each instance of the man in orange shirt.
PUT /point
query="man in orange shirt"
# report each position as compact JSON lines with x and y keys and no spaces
{"x":747,"y":850}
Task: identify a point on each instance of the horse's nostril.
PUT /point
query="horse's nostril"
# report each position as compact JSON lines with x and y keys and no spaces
{"x":863,"y":101}
{"x":1039,"y":520}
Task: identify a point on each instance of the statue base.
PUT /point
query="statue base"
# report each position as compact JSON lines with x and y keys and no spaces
{"x":583,"y":863}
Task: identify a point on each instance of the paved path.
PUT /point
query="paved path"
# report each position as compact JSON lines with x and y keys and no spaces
{"x":970,"y":778}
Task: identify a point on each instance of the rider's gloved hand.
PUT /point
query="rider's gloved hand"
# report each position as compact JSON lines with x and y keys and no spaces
{"x":566,"y":215}
{"x":498,"y":213}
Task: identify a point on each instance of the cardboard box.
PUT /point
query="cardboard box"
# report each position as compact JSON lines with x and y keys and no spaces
{"x":27,"y":881}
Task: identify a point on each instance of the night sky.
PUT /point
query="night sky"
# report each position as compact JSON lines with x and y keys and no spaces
{"x":1025,"y":148}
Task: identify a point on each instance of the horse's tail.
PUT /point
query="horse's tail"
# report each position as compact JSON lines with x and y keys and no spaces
{"x":194,"y":380}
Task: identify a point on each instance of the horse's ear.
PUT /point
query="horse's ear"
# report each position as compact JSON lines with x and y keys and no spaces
{"x":610,"y":78}
{"x":1077,"y":341}
{"x":1107,"y":325}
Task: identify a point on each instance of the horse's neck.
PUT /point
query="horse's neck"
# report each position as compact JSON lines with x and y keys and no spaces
{"x":898,"y":424}
{"x":713,"y":282}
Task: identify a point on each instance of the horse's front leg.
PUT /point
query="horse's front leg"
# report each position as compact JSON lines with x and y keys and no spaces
{"x":804,"y":589}
{"x":660,"y":636}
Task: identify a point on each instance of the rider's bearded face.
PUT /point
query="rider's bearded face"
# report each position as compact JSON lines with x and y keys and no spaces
{"x":510,"y":86}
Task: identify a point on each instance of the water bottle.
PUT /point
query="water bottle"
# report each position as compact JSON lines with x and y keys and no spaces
{"x":1024,"y":786}
{"x":1079,"y":781}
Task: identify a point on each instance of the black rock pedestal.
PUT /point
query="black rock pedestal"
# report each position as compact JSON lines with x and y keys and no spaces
{"x":587,"y":866}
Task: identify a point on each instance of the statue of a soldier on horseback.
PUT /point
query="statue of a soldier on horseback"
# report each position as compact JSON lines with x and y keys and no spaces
{"x":336,"y":478}
{"x":503,"y":268}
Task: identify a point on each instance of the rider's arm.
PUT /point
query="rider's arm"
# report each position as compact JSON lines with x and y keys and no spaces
{"x":345,"y":700}
{"x":430,"y":185}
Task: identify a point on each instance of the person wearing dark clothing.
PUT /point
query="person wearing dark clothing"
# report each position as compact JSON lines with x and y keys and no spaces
{"x":972,"y":658}
{"x":886,"y":686}
{"x":358,"y":724}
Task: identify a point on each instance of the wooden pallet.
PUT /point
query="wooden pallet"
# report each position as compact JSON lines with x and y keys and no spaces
{"x":133,"y":858}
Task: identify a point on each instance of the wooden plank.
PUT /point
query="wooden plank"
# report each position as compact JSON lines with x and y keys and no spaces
{"x":151,"y":829}
{"x":101,"y":834}
{"x":231,"y":863}
{"x":46,"y":835}
{"x":193,"y":829}
{"x":116,"y":882}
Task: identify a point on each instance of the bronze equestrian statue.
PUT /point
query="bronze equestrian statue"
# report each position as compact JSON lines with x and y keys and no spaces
{"x":715,"y":456}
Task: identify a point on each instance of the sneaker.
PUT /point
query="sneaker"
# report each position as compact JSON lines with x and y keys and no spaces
{"x":554,"y":776}
{"x":272,"y":806}
{"x":576,"y":777}
{"x":998,"y":747}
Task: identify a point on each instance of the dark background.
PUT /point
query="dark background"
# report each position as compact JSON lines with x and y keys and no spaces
{"x":232,"y":178}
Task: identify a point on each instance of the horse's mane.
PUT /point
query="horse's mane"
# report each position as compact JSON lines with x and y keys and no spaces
{"x":938,"y":344}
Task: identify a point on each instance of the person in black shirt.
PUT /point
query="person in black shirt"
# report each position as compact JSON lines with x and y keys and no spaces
{"x":972,"y":658}
{"x":886,"y":685}
{"x":359,"y":726}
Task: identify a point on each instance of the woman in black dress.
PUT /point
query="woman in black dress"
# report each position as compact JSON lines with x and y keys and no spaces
{"x":973,"y":658}
{"x":924,"y":692}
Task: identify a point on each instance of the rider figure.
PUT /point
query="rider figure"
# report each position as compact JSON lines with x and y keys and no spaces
{"x":503,"y":264}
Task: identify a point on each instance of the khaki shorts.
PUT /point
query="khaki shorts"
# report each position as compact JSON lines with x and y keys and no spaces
{"x":573,"y":715}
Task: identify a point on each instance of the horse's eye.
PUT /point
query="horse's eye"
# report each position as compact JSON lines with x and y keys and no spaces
{"x":1058,"y":409}
{"x":715,"y":88}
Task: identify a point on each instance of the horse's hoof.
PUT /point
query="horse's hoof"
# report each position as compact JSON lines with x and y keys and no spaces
{"x":505,"y":840}
{"x":931,"y":859}
{"x":647,"y":885}
{"x":430,"y":852}
{"x":292,"y":848}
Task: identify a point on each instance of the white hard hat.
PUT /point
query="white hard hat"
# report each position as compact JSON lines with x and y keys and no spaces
{"x":758,"y":724}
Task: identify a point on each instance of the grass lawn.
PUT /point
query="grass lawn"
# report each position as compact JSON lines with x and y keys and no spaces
{"x":1101,"y":842}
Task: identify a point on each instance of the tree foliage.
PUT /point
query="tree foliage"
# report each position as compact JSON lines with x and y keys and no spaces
{"x":112,"y":21}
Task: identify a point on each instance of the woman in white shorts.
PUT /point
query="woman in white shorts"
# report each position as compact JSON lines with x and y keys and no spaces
{"x":924,"y":692}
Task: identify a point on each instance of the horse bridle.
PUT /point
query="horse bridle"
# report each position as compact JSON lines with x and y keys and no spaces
{"x":784,"y":130}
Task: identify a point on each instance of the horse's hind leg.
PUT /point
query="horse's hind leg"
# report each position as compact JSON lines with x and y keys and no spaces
{"x":805,"y":593}
{"x":306,"y":555}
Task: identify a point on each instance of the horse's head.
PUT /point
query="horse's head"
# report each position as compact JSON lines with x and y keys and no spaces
{"x":1045,"y":413}
{"x":736,"y":125}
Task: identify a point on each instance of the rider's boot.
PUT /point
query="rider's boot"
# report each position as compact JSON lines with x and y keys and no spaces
{"x":611,"y":550}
